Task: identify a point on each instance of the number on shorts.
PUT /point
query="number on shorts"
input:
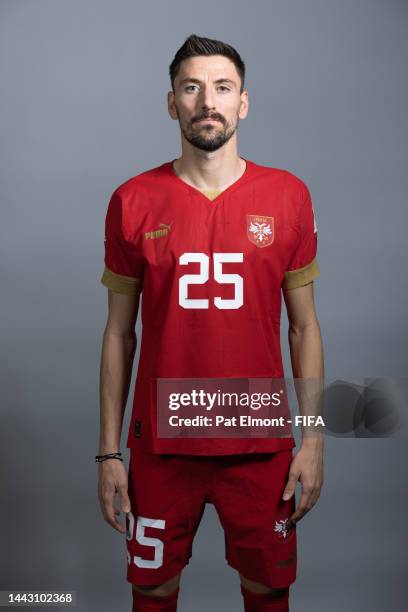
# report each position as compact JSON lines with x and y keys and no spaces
{"x":140,"y":537}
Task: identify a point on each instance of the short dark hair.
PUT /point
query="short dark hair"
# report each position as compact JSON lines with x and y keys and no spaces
{"x":197,"y":45}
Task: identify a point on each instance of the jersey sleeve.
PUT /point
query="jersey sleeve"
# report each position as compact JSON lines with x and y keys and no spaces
{"x":123,"y":262}
{"x":303,"y":266}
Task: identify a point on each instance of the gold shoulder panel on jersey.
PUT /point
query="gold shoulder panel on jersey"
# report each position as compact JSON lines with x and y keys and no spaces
{"x":301,"y":276}
{"x":120,"y":283}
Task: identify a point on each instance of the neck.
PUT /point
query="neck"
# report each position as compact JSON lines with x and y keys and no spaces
{"x":215,"y":170}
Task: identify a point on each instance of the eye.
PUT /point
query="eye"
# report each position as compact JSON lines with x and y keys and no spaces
{"x":189,"y":87}
{"x":224,"y":88}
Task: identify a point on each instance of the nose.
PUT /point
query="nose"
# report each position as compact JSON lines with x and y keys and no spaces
{"x":207,"y":99}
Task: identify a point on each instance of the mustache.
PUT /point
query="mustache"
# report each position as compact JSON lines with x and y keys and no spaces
{"x":215,"y":117}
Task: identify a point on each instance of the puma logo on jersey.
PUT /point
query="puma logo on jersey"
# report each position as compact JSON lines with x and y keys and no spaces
{"x":260,"y":230}
{"x":164,"y":229}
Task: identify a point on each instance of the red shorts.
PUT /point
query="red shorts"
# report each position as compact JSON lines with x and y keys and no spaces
{"x":168,"y":494}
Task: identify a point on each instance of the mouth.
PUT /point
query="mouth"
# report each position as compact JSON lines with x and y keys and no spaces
{"x":207,"y":120}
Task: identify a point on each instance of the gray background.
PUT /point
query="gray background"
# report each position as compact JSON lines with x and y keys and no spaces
{"x":83,"y":108}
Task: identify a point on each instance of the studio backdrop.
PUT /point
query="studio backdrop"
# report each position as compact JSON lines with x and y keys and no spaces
{"x":83,"y":108}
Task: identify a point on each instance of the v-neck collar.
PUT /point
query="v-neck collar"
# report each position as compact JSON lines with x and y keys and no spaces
{"x":194,"y":190}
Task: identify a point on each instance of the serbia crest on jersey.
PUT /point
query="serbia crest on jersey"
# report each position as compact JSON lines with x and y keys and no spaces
{"x":213,"y":271}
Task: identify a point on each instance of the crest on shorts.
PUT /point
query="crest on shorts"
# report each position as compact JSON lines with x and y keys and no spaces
{"x":260,"y":230}
{"x":281,"y":528}
{"x":282,"y":531}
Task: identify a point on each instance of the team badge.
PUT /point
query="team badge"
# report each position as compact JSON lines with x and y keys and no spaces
{"x":260,"y":230}
{"x":281,"y":528}
{"x":282,"y":532}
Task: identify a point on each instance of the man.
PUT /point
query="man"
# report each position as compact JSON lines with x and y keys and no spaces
{"x":210,"y":240}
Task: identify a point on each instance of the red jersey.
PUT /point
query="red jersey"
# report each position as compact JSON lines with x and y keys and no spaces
{"x":213,"y":272}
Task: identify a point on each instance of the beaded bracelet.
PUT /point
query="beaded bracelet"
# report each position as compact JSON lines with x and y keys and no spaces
{"x":99,"y":458}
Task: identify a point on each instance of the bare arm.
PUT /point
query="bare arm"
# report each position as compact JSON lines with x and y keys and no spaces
{"x":306,"y":351}
{"x":305,"y":342}
{"x":118,"y":350}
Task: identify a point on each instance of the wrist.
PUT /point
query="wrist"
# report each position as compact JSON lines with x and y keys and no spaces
{"x":313,"y":440}
{"x":107,"y":450}
{"x":108,"y":456}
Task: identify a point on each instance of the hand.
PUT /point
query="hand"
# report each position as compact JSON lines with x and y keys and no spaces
{"x":306,"y":466}
{"x":113,"y":479}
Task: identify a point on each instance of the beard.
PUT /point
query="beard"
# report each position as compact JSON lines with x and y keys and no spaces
{"x":206,"y":136}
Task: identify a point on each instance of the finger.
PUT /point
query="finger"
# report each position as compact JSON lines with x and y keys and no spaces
{"x":290,"y":486}
{"x":315,"y":497}
{"x":111,"y":519}
{"x":313,"y":492}
{"x":302,"y":508}
{"x":124,"y":499}
{"x":109,"y":511}
{"x":297,"y":516}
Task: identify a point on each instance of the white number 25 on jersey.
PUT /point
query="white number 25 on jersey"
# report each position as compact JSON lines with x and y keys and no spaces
{"x":202,"y":277}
